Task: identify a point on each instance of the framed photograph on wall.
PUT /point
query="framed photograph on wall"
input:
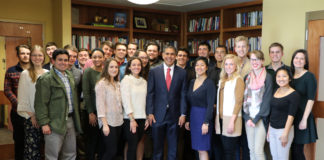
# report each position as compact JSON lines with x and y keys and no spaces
{"x":140,"y":22}
{"x":120,"y":20}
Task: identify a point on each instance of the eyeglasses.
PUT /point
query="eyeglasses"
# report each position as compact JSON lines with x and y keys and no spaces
{"x":37,"y":55}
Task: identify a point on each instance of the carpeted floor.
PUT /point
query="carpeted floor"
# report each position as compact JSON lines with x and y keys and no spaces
{"x":5,"y":136}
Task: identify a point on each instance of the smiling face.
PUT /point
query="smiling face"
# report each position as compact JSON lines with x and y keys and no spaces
{"x":83,"y":57}
{"x":182,"y":58}
{"x":131,"y":49}
{"x":120,"y":52}
{"x":229,"y":66}
{"x":37,"y":57}
{"x":152,"y":52}
{"x":113,"y":69}
{"x":61,"y":62}
{"x":73,"y":57}
{"x":50,"y":50}
{"x":241,"y":48}
{"x":299,"y":60}
{"x":24,"y":55}
{"x":203,"y":51}
{"x":135,"y":67}
{"x":220,"y":54}
{"x":144,"y":58}
{"x":275,"y":54}
{"x":108,"y":51}
{"x":169,"y":56}
{"x":282,"y":78}
{"x":97,"y":58}
{"x":201,"y":68}
{"x":256,"y":63}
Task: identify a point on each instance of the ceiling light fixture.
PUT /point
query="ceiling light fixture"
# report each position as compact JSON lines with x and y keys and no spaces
{"x":143,"y":2}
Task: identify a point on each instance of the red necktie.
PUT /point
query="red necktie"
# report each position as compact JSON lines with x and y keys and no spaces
{"x":168,"y":79}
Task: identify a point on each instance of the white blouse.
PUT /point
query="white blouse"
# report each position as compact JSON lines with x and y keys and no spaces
{"x":26,"y":94}
{"x":133,"y":93}
{"x":108,"y":103}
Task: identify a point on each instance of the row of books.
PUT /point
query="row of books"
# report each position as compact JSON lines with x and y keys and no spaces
{"x":92,"y":42}
{"x":254,"y":43}
{"x":193,"y":45}
{"x":204,"y":24}
{"x":162,"y":43}
{"x":249,"y":19}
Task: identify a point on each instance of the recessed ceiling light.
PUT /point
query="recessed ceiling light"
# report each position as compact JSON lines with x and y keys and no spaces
{"x":143,"y":2}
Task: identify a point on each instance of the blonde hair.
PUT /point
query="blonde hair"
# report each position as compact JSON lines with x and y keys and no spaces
{"x":242,"y":38}
{"x":223,"y":74}
{"x":31,"y":69}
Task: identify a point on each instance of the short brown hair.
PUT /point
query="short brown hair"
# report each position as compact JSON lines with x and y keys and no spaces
{"x":276,"y":44}
{"x":108,"y":43}
{"x":259,"y":54}
{"x":70,"y":47}
{"x":241,"y":38}
{"x":22,"y":46}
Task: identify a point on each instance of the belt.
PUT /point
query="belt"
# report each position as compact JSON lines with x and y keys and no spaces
{"x":70,"y":114}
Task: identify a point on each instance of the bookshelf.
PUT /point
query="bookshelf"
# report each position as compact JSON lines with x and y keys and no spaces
{"x":162,"y":26}
{"x":234,"y":20}
{"x":216,"y":25}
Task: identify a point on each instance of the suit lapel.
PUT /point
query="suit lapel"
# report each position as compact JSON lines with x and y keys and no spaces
{"x":163,"y":78}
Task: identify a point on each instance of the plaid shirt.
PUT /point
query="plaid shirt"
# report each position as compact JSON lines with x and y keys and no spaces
{"x":11,"y":85}
{"x":68,"y":89}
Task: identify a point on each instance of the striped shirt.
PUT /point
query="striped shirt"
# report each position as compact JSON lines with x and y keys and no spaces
{"x":68,"y":89}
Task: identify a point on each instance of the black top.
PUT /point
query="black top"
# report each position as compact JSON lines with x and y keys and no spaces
{"x":306,"y":87}
{"x":204,"y":96}
{"x":281,"y":108}
{"x":214,"y":74}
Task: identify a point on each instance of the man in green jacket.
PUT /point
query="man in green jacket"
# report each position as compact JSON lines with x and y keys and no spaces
{"x":56,"y":109}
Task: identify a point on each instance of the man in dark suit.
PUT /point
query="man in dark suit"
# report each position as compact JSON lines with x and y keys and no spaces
{"x":166,"y":103}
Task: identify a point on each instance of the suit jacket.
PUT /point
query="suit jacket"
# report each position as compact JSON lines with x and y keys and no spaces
{"x":47,"y":66}
{"x":160,"y":101}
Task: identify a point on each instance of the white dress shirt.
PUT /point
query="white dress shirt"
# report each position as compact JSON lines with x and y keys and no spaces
{"x":165,"y":68}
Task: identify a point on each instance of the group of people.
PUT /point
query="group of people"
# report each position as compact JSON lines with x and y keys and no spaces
{"x":117,"y":97}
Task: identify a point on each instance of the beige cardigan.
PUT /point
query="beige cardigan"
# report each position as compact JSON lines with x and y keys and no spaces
{"x":229,"y":102}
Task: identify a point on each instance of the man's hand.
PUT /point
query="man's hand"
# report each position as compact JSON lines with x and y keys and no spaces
{"x":46,"y":129}
{"x":151,"y":119}
{"x":182,"y":120}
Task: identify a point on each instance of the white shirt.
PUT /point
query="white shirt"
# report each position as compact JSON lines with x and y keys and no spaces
{"x":133,"y":92}
{"x":165,"y":67}
{"x":26,"y":94}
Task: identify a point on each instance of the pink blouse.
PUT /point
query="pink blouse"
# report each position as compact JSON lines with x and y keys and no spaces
{"x":109,"y":104}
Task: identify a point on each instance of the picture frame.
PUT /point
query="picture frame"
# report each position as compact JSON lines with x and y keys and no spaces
{"x":140,"y":22}
{"x":120,"y":20}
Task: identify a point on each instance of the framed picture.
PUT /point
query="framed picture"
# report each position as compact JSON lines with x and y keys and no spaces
{"x":140,"y":22}
{"x":120,"y":20}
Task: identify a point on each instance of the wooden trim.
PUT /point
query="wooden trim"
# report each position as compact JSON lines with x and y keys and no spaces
{"x":234,"y":29}
{"x":89,"y":27}
{"x":4,"y":99}
{"x":155,"y":32}
{"x":204,"y":32}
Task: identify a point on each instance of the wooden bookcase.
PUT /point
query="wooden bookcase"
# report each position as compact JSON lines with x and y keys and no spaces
{"x":227,"y":28}
{"x":83,"y":14}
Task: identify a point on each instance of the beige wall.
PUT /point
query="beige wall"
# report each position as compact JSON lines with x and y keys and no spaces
{"x":284,"y":22}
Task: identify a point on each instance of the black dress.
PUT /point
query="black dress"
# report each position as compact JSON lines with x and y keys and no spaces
{"x":306,"y":87}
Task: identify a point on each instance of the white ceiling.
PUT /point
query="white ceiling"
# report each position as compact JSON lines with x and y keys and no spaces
{"x":176,"y":5}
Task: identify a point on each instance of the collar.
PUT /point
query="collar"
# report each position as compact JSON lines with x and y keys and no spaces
{"x":58,"y":72}
{"x":122,"y":62}
{"x":270,"y":66}
{"x":165,"y":66}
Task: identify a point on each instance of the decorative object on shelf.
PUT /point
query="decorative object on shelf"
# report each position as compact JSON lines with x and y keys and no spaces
{"x":140,"y":22}
{"x":143,"y":2}
{"x":97,"y":18}
{"x":174,"y":28}
{"x":105,"y":20}
{"x":120,"y":20}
